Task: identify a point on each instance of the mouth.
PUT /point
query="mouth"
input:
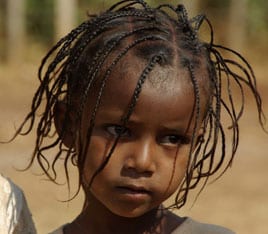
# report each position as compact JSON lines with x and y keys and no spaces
{"x":132,"y":189}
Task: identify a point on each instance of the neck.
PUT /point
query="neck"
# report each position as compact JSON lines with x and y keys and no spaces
{"x":96,"y":218}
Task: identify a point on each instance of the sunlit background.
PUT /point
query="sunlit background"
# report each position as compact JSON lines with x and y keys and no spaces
{"x":28,"y":28}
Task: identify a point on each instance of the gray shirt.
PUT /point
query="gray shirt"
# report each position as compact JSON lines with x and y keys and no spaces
{"x":189,"y":226}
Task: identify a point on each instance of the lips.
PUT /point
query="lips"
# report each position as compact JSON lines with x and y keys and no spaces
{"x":133,"y":193}
{"x":132,"y":189}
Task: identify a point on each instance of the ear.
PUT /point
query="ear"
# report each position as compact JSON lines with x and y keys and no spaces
{"x":65,"y":125}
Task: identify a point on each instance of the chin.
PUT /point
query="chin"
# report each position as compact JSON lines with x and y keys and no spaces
{"x":134,"y":212}
{"x":128,"y":213}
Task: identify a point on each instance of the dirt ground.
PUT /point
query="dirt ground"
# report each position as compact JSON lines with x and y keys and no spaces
{"x":239,"y":200}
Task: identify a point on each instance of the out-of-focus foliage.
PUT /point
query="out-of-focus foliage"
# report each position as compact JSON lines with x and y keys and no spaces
{"x":2,"y":27}
{"x":258,"y":16}
{"x":39,"y":18}
{"x":40,"y":15}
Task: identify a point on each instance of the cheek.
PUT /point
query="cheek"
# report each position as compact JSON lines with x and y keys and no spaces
{"x":96,"y":154}
{"x":179,"y":167}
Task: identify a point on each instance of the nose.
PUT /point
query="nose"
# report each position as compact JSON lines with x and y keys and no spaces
{"x":140,"y":158}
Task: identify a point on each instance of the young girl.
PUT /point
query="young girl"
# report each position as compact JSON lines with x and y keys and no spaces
{"x":137,"y":100}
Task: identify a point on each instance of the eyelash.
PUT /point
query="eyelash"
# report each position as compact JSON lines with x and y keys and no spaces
{"x":122,"y":131}
{"x":115,"y":130}
{"x":174,"y":140}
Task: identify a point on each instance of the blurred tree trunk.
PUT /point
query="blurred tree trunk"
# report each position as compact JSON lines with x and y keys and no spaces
{"x":15,"y":30}
{"x":65,"y":15}
{"x":238,"y":24}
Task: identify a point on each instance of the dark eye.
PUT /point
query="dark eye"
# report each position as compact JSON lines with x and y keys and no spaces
{"x":173,"y":140}
{"x":117,"y":130}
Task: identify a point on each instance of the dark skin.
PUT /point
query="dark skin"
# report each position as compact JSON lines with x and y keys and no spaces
{"x":155,"y":221}
{"x":152,"y":155}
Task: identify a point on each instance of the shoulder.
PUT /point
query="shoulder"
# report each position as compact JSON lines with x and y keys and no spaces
{"x":15,"y":215}
{"x":10,"y":197}
{"x":190,"y":226}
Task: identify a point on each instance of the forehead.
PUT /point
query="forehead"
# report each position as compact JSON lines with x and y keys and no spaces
{"x":130,"y":70}
{"x":163,"y":86}
{"x":166,"y":97}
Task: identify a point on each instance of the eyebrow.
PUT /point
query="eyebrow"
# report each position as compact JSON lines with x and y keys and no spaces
{"x":116,"y":115}
{"x":112,"y":113}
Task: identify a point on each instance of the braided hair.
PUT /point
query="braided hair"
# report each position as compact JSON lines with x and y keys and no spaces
{"x":82,"y":61}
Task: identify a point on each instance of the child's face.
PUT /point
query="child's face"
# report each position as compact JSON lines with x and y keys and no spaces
{"x":150,"y":159}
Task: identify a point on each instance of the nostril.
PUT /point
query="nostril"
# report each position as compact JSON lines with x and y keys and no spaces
{"x":132,"y":172}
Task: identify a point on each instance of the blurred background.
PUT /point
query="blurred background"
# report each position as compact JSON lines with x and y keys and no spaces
{"x":28,"y":28}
